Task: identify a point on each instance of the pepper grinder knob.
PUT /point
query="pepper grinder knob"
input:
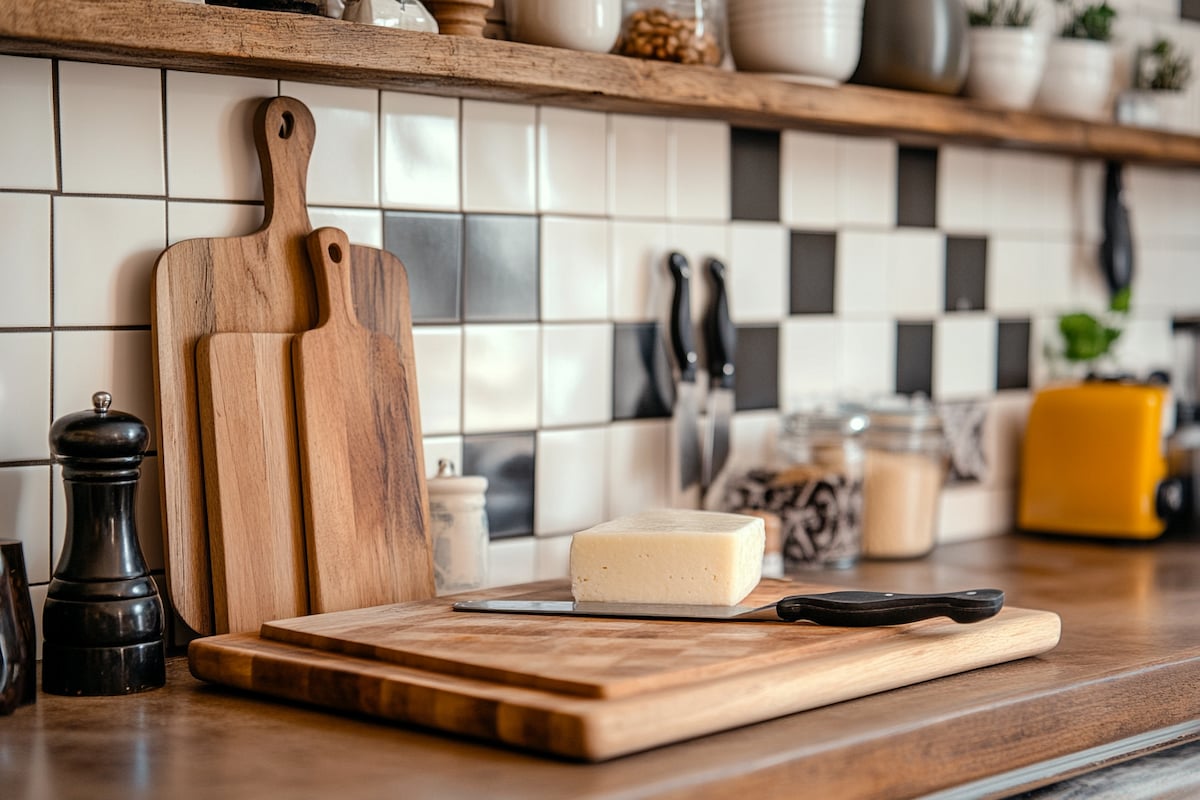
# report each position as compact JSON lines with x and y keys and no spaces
{"x":103,"y":621}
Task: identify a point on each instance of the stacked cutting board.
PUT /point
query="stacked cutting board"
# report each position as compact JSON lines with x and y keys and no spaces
{"x":287,"y":410}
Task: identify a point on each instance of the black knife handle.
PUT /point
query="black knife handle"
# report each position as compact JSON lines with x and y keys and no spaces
{"x":868,"y":609}
{"x":720,"y":335}
{"x":681,"y":318}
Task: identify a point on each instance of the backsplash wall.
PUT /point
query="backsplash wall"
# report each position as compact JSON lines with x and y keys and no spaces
{"x":535,"y":239}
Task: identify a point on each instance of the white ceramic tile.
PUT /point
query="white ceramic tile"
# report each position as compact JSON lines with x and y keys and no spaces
{"x":117,"y":362}
{"x":362,"y":225}
{"x":961,"y":190}
{"x":637,"y":166}
{"x":210,"y":220}
{"x":439,"y":447}
{"x":577,"y":374}
{"x":1165,"y":280}
{"x":553,"y":558}
{"x":1026,"y":275}
{"x":104,"y":254}
{"x":808,"y":179}
{"x":24,"y":395}
{"x":438,"y":352}
{"x":420,"y":152}
{"x":1053,"y":195}
{"x":698,"y":170}
{"x":500,"y":378}
{"x":27,"y":136}
{"x":916,"y":273}
{"x":1054,"y":283}
{"x":964,"y":356}
{"x":753,"y":439}
{"x":639,"y":282}
{"x":1145,"y":345}
{"x":809,"y":359}
{"x":637,"y":466}
{"x":574,"y":268}
{"x":757,"y":280}
{"x":1044,"y":336}
{"x":975,"y":512}
{"x":111,"y":129}
{"x":25,"y":252}
{"x":572,"y":161}
{"x":498,"y":157}
{"x":1089,"y":201}
{"x":868,"y":358}
{"x":344,"y":170}
{"x":25,"y":498}
{"x":699,"y":242}
{"x":1011,"y":186}
{"x":570,"y":489}
{"x":863,"y":267}
{"x":866,"y":181}
{"x":512,"y":561}
{"x":210,"y":140}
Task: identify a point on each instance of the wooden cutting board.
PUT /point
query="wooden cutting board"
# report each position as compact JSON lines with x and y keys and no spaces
{"x":252,"y":475}
{"x":359,"y":460}
{"x":259,"y":283}
{"x":595,"y":689}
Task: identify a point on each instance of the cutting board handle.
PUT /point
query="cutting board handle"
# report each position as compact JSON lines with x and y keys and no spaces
{"x":329,"y":251}
{"x":284,"y":134}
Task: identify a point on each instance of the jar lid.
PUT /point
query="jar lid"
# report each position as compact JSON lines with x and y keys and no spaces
{"x":99,"y":433}
{"x":447,"y":482}
{"x":905,"y":420}
{"x":845,"y":420}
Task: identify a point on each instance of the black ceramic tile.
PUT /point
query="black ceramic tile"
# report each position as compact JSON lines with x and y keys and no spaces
{"x":914,"y":358}
{"x":754,"y":174}
{"x":430,"y":246}
{"x":1189,"y":9}
{"x":916,"y":187}
{"x":966,"y":273}
{"x":507,"y":461}
{"x":1012,"y":354}
{"x":756,"y":365}
{"x":642,"y":372}
{"x":500,"y":268}
{"x":813,"y":268}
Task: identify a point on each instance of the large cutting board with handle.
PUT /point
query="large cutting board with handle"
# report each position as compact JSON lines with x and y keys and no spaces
{"x":591,"y":688}
{"x":258,"y":283}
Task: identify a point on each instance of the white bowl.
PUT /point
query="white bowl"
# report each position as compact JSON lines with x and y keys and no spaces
{"x":808,"y":38}
{"x":589,"y":25}
{"x":1006,"y":66}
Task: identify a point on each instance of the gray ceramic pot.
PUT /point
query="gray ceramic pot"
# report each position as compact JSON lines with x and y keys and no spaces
{"x":914,"y":44}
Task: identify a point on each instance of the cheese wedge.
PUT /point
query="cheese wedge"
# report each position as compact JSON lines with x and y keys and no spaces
{"x":669,"y":556}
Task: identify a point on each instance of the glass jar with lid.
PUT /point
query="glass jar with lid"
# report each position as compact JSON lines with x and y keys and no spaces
{"x":904,"y":470}
{"x":684,"y":31}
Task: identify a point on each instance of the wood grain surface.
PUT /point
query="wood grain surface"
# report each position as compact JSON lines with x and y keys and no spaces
{"x":252,"y":479}
{"x":361,"y":460}
{"x":258,"y":283}
{"x":593,"y":688}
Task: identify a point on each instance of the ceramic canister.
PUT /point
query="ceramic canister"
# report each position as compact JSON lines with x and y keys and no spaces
{"x":458,"y":516}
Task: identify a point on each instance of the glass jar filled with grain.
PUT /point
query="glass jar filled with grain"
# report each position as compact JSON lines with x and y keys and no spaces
{"x":684,"y":31}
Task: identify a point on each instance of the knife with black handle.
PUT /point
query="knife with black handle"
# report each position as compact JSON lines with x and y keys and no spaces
{"x":686,"y":401}
{"x":720,"y":338}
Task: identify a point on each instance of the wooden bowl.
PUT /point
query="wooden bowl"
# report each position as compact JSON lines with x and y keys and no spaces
{"x":460,"y":17}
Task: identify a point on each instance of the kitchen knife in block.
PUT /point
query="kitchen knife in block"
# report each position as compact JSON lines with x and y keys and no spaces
{"x":251,"y":479}
{"x":686,"y":438}
{"x":363,"y":477}
{"x":721,"y":341}
{"x":257,"y":283}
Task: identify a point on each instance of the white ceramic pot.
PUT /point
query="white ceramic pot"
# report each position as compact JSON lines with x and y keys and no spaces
{"x":1077,"y":79}
{"x":590,"y":25}
{"x":818,"y":40}
{"x":1006,"y":66}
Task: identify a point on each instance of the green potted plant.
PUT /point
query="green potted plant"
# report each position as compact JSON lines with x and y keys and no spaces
{"x":1079,"y":61}
{"x":1160,"y":74}
{"x":1006,"y":55}
{"x":1087,"y":340}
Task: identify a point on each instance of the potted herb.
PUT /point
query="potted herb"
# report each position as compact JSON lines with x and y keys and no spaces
{"x":1160,"y":74}
{"x":1079,"y":62}
{"x":1007,"y":55}
{"x":1088,"y":339}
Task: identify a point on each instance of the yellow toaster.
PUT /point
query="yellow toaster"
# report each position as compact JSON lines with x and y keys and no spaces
{"x":1093,"y":461}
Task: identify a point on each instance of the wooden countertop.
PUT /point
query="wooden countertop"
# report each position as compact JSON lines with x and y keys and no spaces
{"x":1125,"y":680}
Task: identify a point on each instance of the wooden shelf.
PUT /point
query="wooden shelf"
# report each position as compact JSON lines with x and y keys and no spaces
{"x":184,"y":36}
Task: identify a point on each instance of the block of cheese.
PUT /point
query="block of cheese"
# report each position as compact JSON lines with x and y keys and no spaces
{"x":668,"y":556}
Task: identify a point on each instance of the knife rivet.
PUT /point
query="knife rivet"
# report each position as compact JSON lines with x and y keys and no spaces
{"x":889,"y":594}
{"x":970,"y":593}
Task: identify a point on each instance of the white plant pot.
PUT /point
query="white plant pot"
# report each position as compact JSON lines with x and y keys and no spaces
{"x":1077,"y":80}
{"x":1006,"y":66}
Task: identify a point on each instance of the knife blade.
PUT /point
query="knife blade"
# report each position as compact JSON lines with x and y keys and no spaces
{"x":687,"y":437}
{"x":853,"y":609}
{"x":721,"y":344}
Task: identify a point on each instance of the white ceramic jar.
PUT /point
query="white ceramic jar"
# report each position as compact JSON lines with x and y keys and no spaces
{"x":458,"y":517}
{"x":1077,"y":80}
{"x":589,"y":25}
{"x":1006,"y":66}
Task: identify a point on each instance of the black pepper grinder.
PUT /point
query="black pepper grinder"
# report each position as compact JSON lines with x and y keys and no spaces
{"x":102,"y":624}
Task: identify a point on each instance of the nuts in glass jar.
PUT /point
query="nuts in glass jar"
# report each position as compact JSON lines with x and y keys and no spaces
{"x":658,"y":34}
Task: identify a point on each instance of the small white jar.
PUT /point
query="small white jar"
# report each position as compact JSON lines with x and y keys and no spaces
{"x":458,"y":516}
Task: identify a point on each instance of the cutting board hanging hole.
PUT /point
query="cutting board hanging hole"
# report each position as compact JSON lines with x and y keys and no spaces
{"x":289,"y":124}
{"x":335,"y":253}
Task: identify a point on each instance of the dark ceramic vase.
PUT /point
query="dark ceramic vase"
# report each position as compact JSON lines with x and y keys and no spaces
{"x":920,"y":45}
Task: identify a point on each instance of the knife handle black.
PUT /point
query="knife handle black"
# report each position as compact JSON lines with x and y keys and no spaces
{"x":720,"y":335}
{"x":681,"y":318}
{"x":868,"y":609}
